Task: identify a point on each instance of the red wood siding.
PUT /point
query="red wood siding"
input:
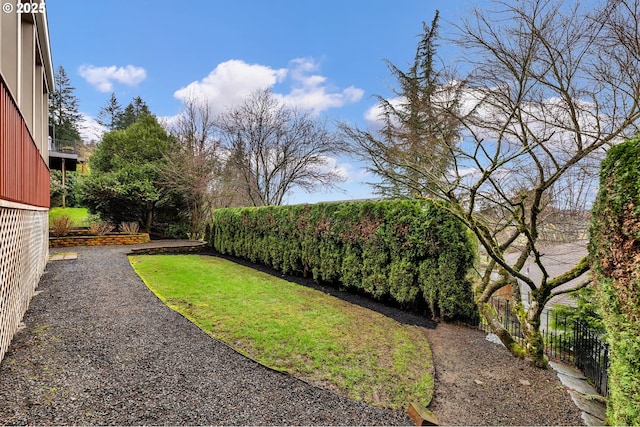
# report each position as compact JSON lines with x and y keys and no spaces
{"x":24,"y":175}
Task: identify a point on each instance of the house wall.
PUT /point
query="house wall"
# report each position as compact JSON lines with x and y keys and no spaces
{"x":23,"y":256}
{"x":26,"y":78}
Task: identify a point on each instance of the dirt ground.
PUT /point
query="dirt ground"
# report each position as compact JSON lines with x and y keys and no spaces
{"x":480,"y":383}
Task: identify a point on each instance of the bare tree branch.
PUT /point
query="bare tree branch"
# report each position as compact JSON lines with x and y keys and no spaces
{"x":273,"y":149}
{"x":192,"y":163}
{"x":552,"y":85}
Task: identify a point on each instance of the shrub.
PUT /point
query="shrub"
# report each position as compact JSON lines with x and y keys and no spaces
{"x":177,"y":231}
{"x":406,"y":251}
{"x":61,"y":226}
{"x":129,"y":227}
{"x":100,"y":228}
{"x":563,"y":317}
{"x":614,"y":249}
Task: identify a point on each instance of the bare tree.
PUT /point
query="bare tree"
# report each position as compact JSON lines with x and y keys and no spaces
{"x":272,"y":149}
{"x":193,"y":165}
{"x":552,"y":85}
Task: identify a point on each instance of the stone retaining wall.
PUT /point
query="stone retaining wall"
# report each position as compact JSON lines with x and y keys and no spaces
{"x":107,"y":239}
{"x":188,"y":249}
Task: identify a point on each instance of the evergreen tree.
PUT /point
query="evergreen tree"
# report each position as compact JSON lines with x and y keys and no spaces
{"x":136,"y":109}
{"x":63,"y":108}
{"x":143,"y":142}
{"x":111,"y":114}
{"x":418,"y":133}
{"x":123,"y":185}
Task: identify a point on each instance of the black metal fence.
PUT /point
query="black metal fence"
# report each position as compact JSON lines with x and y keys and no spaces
{"x":566,"y":339}
{"x":592,"y":356}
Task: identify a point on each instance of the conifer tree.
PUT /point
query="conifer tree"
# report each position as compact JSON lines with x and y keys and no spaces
{"x":418,"y":130}
{"x":111,"y":114}
{"x":136,"y":109}
{"x":63,"y":108}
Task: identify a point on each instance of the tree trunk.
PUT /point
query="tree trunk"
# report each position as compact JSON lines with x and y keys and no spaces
{"x":488,"y":312}
{"x":64,"y":184}
{"x":194,"y":226}
{"x":535,"y":342}
{"x":149,"y":219}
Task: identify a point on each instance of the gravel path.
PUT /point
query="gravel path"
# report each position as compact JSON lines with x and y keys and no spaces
{"x":100,"y":348}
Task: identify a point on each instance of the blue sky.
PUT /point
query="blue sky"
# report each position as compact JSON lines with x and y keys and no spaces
{"x":324,"y":55}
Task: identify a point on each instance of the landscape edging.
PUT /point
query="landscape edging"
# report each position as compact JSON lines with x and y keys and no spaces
{"x":107,"y":239}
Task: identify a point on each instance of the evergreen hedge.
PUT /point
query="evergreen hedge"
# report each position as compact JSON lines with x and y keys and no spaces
{"x":409,"y":251}
{"x":615,"y":252}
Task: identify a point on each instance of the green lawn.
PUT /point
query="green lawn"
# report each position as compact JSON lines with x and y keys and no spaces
{"x":288,"y":327}
{"x":80,"y":216}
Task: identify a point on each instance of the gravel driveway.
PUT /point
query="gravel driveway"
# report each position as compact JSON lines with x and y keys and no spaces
{"x":100,"y":348}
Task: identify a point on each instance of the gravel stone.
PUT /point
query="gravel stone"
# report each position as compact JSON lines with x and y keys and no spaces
{"x":100,"y":349}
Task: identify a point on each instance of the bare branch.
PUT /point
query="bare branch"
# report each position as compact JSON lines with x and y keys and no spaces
{"x":552,"y":85}
{"x":273,"y":149}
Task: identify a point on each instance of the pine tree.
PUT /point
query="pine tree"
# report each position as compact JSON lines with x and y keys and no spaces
{"x":136,"y":109}
{"x":111,"y":114}
{"x":63,"y":108}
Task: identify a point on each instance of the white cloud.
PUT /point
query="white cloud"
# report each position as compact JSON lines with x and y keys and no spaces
{"x":311,"y":92}
{"x":232,"y":81}
{"x":333,"y":165}
{"x":90,"y":130}
{"x":102,"y":78}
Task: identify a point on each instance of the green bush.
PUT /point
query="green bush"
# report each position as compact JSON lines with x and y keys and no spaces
{"x":586,"y":309}
{"x":71,"y":188}
{"x":407,"y":251}
{"x":177,"y":231}
{"x":614,"y":249}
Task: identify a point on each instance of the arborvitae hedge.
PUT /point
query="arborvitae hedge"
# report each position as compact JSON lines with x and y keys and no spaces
{"x":615,"y":252}
{"x":404,"y":250}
